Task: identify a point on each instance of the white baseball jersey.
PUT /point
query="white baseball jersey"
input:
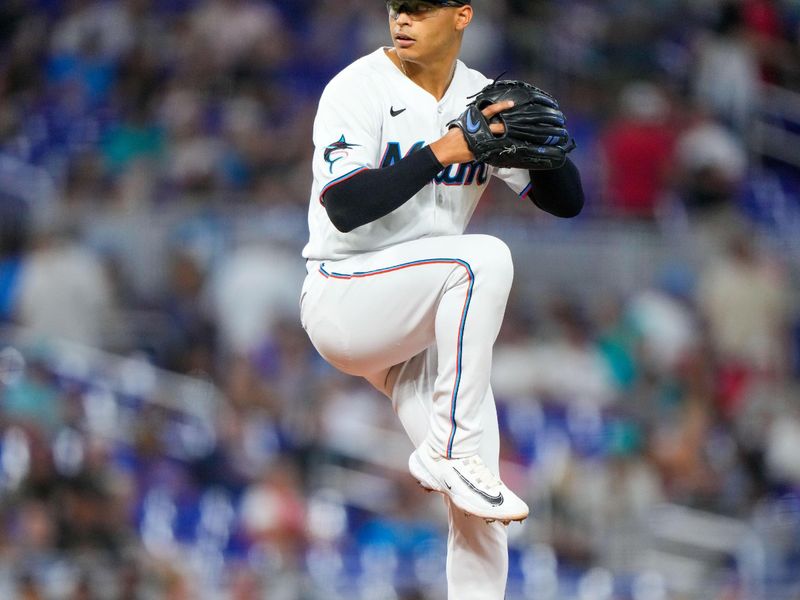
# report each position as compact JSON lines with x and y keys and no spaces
{"x":408,"y":302}
{"x":370,"y":116}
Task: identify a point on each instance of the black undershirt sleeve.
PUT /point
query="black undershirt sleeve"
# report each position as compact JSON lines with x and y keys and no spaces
{"x":558,"y":191}
{"x":374,"y":193}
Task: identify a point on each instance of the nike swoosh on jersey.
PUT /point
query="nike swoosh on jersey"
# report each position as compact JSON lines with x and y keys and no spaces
{"x":394,"y":112}
{"x":472,"y":126}
{"x":493,"y":500}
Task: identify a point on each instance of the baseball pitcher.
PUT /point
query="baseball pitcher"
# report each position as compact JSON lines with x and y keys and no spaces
{"x":406,"y":140}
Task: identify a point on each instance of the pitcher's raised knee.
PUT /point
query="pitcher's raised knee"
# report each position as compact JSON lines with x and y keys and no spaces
{"x":492,"y":262}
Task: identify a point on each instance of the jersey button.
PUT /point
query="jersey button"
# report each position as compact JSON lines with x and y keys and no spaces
{"x":440,"y":110}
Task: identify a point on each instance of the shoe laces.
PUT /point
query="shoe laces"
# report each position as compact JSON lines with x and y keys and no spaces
{"x":480,"y":473}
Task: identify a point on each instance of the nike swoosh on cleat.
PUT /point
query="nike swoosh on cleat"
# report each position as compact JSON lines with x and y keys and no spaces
{"x":394,"y":112}
{"x":493,"y":500}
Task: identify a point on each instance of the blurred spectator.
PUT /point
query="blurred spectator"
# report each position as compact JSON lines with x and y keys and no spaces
{"x":105,"y":25}
{"x":85,"y":188}
{"x":273,"y":512}
{"x":248,"y":393}
{"x":83,"y":74}
{"x":86,"y":517}
{"x":247,"y":152}
{"x":765,"y":21}
{"x":544,"y":368}
{"x":64,"y":292}
{"x":32,"y":399}
{"x":711,"y":164}
{"x":727,"y":79}
{"x":133,"y":140}
{"x":251,"y":291}
{"x":30,"y":197}
{"x":236,"y":31}
{"x":25,"y":45}
{"x":287,"y":368}
{"x":600,"y":507}
{"x":351,"y":418}
{"x":194,"y":154}
{"x":619,"y":341}
{"x":681,"y":429}
{"x":637,"y":150}
{"x":663,"y":319}
{"x":35,"y":529}
{"x":783,"y":446}
{"x":744,"y":298}
{"x":190,"y":336}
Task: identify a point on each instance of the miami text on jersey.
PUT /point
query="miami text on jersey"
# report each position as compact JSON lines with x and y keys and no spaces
{"x":463,"y":174}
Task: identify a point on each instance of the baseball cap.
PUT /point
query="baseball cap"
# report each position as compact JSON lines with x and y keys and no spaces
{"x":414,"y":6}
{"x":436,"y":2}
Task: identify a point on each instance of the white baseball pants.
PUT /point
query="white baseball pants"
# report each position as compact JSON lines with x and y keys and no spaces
{"x":418,"y":320}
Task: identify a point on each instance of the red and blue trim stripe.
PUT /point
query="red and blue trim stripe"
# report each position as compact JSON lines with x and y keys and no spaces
{"x":338,"y":180}
{"x":527,"y":189}
{"x":461,"y":327}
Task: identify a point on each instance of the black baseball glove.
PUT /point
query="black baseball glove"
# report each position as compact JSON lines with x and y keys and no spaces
{"x":534,"y":138}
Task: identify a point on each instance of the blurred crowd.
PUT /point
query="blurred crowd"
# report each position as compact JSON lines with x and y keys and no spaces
{"x":154,"y":177}
{"x":129,"y":105}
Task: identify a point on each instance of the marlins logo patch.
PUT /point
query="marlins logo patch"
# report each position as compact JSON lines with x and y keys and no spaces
{"x":337,"y":150}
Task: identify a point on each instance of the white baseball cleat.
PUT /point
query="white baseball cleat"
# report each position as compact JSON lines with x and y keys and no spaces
{"x":470,"y":484}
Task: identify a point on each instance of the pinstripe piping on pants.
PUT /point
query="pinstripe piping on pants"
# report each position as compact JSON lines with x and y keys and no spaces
{"x":462,"y":325}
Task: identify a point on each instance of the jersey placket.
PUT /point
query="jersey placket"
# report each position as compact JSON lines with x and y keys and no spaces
{"x":442,"y":198}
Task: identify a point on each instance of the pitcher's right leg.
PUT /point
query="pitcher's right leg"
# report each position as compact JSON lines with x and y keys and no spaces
{"x":477,"y":552}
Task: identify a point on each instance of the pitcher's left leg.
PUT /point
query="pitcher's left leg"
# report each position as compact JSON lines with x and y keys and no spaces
{"x":468,"y":320}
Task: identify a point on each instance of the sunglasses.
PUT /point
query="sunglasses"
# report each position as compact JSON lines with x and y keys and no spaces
{"x":417,"y":7}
